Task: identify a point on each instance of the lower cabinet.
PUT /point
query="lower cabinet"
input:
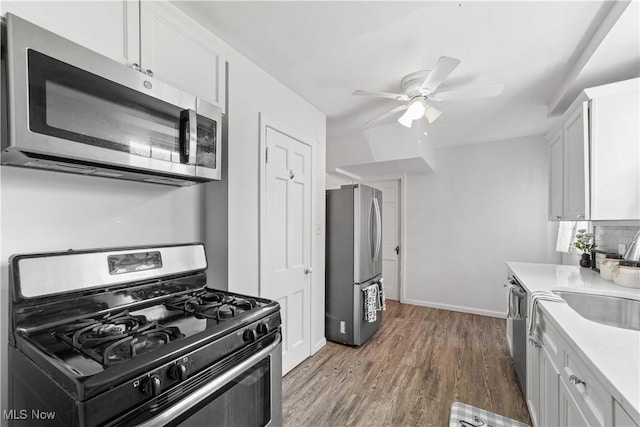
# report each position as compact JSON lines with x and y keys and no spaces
{"x":533,"y":380}
{"x":543,"y":379}
{"x":569,"y":414}
{"x":549,"y":389}
{"x":562,"y":388}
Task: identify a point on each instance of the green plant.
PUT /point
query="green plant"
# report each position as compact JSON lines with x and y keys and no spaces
{"x":583,"y":241}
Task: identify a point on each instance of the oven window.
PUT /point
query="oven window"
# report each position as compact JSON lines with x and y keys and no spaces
{"x":73,"y":104}
{"x":244,"y":402}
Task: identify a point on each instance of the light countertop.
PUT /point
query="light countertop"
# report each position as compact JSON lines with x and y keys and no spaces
{"x":614,"y":352}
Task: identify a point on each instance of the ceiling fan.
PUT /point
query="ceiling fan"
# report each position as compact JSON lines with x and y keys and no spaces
{"x":419,"y":91}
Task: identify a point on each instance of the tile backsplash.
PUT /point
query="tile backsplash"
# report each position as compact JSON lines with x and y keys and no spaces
{"x":608,"y":238}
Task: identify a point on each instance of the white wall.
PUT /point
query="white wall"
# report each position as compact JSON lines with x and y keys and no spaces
{"x":485,"y":204}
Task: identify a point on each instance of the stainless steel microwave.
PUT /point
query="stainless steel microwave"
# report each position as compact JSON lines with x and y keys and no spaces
{"x":74,"y":110}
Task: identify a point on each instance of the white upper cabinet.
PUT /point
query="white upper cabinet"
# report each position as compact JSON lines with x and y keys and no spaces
{"x":154,"y":35}
{"x":107,"y":27}
{"x":615,"y":152}
{"x":576,"y":164}
{"x":556,"y":184}
{"x":180,"y":52}
{"x":594,"y":171}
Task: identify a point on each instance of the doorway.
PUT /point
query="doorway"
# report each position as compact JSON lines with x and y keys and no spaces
{"x":391,"y":235}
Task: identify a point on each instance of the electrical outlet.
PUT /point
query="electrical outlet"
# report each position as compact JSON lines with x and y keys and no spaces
{"x":343,"y":327}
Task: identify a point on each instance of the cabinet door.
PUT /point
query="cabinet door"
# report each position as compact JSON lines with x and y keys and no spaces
{"x":556,"y":159}
{"x":533,"y":382}
{"x":621,"y":418}
{"x":107,"y":27}
{"x":615,"y":156}
{"x":180,"y":52}
{"x":549,"y":384}
{"x":569,"y":412}
{"x":576,"y":165}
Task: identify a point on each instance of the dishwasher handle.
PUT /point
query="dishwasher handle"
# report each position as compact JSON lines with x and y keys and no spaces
{"x":516,"y":296}
{"x":520,"y":292}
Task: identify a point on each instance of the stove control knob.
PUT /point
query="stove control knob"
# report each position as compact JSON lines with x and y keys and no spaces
{"x":249,"y":335}
{"x":152,"y":385}
{"x":178,"y":372}
{"x":263,"y":328}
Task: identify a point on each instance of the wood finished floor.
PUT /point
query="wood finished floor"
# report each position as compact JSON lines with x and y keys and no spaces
{"x":408,"y":374}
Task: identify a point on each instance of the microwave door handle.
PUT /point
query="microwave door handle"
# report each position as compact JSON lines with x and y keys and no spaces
{"x":188,"y":136}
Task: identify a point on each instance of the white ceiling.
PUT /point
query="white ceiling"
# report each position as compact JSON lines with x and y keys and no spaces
{"x":324,"y":50}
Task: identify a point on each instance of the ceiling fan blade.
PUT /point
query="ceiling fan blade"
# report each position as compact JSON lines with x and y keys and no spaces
{"x":431,"y":113}
{"x":396,"y":96}
{"x":387,"y":114}
{"x":474,"y":92}
{"x":440,"y":71}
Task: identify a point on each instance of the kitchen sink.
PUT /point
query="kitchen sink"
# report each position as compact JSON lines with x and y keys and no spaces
{"x":608,"y":310}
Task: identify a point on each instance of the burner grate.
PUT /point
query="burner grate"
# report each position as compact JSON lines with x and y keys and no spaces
{"x":209,"y":304}
{"x":115,"y":338}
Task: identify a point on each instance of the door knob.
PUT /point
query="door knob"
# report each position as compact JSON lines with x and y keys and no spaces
{"x":308,"y":270}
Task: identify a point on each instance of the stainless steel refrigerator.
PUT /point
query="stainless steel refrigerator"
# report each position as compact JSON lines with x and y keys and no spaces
{"x":354,"y":284}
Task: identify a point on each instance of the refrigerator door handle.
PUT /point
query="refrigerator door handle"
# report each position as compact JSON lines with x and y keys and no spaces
{"x":378,"y":229}
{"x":373,"y":221}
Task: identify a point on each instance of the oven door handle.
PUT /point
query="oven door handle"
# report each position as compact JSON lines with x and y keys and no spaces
{"x":204,"y":392}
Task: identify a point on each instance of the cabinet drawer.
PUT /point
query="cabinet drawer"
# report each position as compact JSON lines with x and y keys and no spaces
{"x":588,"y":392}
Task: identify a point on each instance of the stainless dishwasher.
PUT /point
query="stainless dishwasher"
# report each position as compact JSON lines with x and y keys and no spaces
{"x":517,"y":328}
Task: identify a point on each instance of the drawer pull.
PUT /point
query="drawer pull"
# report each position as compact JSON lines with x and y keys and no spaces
{"x":575,"y":380}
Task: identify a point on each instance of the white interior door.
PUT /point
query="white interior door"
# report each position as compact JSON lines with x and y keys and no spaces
{"x":286,"y":239}
{"x":390,"y":236}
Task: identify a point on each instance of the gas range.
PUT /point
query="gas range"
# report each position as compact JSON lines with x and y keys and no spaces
{"x":141,"y":344}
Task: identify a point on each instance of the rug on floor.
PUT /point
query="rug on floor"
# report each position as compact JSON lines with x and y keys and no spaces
{"x":463,"y":415}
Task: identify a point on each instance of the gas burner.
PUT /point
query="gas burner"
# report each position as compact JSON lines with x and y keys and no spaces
{"x":214,"y":297}
{"x":114,"y":338}
{"x":89,"y":332}
{"x":142,"y":342}
{"x":211,"y":304}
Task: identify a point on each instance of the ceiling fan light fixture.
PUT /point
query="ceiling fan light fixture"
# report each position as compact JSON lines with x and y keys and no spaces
{"x":415,"y":111}
{"x":405,"y":121}
{"x":431,"y":113}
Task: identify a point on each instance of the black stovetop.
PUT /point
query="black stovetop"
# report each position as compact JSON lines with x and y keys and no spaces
{"x":95,"y":343}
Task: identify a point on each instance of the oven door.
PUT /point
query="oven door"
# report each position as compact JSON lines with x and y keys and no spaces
{"x":248,"y":394}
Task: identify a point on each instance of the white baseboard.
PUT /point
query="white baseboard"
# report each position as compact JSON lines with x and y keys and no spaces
{"x":317,"y":346}
{"x":462,"y":309}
